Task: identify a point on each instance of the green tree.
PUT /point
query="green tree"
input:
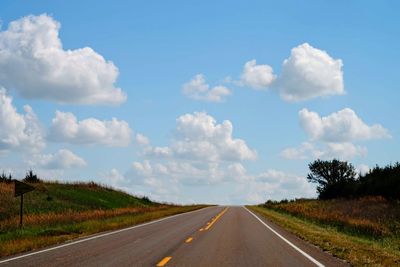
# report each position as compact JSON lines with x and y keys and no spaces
{"x":334,"y":178}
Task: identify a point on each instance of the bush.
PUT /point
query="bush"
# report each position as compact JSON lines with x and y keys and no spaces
{"x":5,"y":179}
{"x":31,"y":177}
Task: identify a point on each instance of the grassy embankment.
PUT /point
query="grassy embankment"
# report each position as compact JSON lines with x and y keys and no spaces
{"x":364,"y":232}
{"x":56,"y":212}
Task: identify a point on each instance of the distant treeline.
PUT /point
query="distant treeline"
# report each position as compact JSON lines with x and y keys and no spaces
{"x":30,"y":177}
{"x":339,"y":179}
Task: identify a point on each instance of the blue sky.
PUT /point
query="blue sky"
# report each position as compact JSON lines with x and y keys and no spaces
{"x":164,"y":98}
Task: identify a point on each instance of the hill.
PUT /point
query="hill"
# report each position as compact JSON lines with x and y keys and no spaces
{"x":56,"y":212}
{"x":53,"y":197}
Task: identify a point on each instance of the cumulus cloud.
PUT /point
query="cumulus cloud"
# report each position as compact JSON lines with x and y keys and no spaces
{"x":334,"y":136}
{"x":309,"y":73}
{"x":343,"y":151}
{"x":273,"y":184}
{"x":156,"y":178}
{"x":115,"y":179}
{"x":301,"y":152}
{"x":168,"y":179}
{"x":66,"y":128}
{"x":62,"y":159}
{"x":201,"y":152}
{"x":142,"y":139}
{"x":257,"y":76}
{"x":341,"y":126}
{"x":34,"y":63}
{"x":18,"y":131}
{"x":198,"y":136}
{"x":198,"y":89}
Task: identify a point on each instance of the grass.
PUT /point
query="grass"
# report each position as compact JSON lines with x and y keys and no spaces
{"x":364,"y":232}
{"x":369,"y":216}
{"x":58,"y":198}
{"x":56,"y":212}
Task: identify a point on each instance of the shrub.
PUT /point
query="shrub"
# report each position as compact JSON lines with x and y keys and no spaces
{"x":5,"y":178}
{"x":31,"y":177}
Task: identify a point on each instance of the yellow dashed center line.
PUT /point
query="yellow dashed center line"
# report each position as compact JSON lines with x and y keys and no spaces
{"x":164,"y":261}
{"x":215,"y":219}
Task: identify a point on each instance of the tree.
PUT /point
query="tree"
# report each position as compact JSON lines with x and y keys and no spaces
{"x":334,"y":178}
{"x":381,"y":181}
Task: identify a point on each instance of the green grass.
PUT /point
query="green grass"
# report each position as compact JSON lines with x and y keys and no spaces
{"x":56,"y":212}
{"x":358,"y":250}
{"x":58,"y":197}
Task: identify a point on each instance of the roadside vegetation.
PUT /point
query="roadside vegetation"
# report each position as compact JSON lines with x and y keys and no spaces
{"x":356,"y":218}
{"x":338,"y":179}
{"x":55,"y":212}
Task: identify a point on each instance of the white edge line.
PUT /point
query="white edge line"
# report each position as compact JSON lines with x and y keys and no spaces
{"x":98,"y":236}
{"x":287,"y":241}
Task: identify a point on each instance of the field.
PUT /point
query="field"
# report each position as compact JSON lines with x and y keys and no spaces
{"x":57,"y":212}
{"x":363,"y":231}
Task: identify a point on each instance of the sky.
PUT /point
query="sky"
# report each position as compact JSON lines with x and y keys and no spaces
{"x":221,"y":102}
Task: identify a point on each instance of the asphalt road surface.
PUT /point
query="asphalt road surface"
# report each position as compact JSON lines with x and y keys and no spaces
{"x":215,"y":236}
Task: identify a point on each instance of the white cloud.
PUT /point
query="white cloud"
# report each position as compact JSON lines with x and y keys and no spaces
{"x":176,"y":171}
{"x":333,"y":136}
{"x":163,"y":180}
{"x":273,"y":184}
{"x":199,"y":137}
{"x":34,"y":63}
{"x":198,"y":89}
{"x":341,"y":126}
{"x":257,"y":76}
{"x":237,"y":172}
{"x":309,"y":73}
{"x":202,"y":152}
{"x":66,"y":128}
{"x":343,"y":151}
{"x":115,"y":179}
{"x":300,"y":152}
{"x":156,"y":179}
{"x":62,"y":159}
{"x":18,"y":131}
{"x":142,"y":139}
{"x":363,"y":169}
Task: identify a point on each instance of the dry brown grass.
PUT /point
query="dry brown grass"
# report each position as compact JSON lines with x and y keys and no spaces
{"x":6,"y":202}
{"x":49,"y":219}
{"x":373,"y":216}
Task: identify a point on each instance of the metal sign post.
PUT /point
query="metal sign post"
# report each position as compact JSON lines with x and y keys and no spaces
{"x":19,"y":190}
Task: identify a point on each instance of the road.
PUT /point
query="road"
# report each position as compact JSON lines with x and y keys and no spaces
{"x":214,"y":236}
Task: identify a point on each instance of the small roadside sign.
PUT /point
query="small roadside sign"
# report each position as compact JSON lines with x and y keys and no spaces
{"x":20,"y":189}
